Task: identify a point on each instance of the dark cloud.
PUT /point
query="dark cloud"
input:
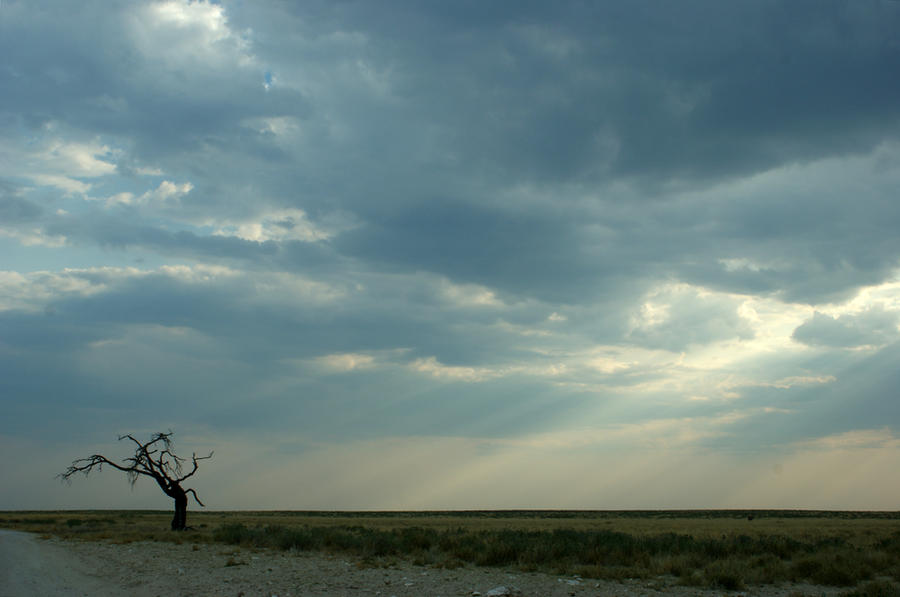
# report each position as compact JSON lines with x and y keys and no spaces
{"x":856,"y":396}
{"x":154,"y":345}
{"x":518,"y":252}
{"x":476,"y":99}
{"x":16,"y":210}
{"x":108,"y":71}
{"x":873,"y":327}
{"x":654,"y":91}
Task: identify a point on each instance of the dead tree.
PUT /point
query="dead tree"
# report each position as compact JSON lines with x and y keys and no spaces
{"x":154,"y":459}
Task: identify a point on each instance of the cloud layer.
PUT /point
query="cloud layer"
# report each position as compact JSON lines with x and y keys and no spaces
{"x":495,"y":240}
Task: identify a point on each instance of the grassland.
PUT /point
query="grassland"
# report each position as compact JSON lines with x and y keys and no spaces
{"x":722,"y":549}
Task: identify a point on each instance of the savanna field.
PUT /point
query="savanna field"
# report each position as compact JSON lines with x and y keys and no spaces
{"x":728,"y":550}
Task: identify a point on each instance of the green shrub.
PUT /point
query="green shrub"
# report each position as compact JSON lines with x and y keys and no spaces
{"x":729,"y":562}
{"x":842,"y":569}
{"x":890,"y":544}
{"x":232,"y":534}
{"x":725,"y":574}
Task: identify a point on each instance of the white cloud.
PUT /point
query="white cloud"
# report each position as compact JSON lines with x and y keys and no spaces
{"x":65,"y":183}
{"x":738,"y":264}
{"x":432,"y":367}
{"x":50,"y":159}
{"x":260,"y":288}
{"x":521,"y":330}
{"x":678,"y":315}
{"x":609,"y":364}
{"x":855,"y":439}
{"x":78,"y":159}
{"x":345,"y":362}
{"x":286,"y":289}
{"x":33,"y":237}
{"x":460,"y":373}
{"x":32,"y":291}
{"x":468,"y":295}
{"x":800,"y":380}
{"x":167,"y":191}
{"x":183,"y":35}
{"x":201,"y":273}
{"x":275,"y":225}
{"x":283,"y":128}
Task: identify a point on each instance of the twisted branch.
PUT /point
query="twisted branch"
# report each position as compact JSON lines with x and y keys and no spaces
{"x":162,"y":465}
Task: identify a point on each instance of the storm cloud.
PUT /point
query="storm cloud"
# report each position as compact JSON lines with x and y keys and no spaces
{"x":506,"y":237}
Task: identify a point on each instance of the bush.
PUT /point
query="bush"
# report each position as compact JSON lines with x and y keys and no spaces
{"x":725,"y":574}
{"x":842,"y":569}
{"x":727,"y":563}
{"x":232,"y":534}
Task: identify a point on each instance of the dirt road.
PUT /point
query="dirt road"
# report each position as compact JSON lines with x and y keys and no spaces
{"x":30,"y":567}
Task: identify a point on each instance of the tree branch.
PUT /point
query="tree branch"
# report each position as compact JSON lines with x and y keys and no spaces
{"x":194,"y":493}
{"x":86,"y":465}
{"x":195,"y":458}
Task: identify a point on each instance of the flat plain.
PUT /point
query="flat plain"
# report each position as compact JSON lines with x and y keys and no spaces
{"x":849,"y":553}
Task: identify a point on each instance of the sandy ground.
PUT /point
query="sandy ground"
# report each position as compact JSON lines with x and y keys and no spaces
{"x":34,"y":567}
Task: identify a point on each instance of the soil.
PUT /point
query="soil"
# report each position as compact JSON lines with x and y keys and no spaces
{"x":33,"y":566}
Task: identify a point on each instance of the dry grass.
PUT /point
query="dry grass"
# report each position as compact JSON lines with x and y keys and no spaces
{"x":722,"y":549}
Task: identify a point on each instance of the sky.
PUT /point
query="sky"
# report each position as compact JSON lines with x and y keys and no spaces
{"x":415,"y":254}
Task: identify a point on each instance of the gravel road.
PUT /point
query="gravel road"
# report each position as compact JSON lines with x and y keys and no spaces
{"x":30,"y":567}
{"x":34,"y":567}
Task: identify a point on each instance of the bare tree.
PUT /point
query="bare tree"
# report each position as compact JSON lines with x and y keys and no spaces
{"x":154,"y":459}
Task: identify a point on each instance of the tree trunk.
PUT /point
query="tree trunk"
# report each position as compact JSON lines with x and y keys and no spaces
{"x":179,"y":522}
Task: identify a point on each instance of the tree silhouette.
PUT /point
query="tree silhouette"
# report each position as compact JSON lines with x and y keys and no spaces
{"x":154,"y":459}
